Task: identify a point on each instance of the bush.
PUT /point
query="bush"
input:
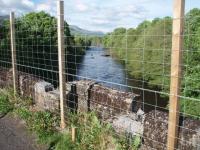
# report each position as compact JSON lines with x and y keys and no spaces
{"x":40,"y":122}
{"x":5,"y":105}
{"x":91,"y":134}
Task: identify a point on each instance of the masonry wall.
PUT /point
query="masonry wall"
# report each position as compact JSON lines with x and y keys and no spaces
{"x":155,"y":131}
{"x":116,"y":107}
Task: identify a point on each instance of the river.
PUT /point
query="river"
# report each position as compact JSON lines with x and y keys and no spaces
{"x":98,"y":65}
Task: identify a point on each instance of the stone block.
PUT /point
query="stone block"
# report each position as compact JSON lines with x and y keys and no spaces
{"x":189,"y":135}
{"x":156,"y":128}
{"x":52,"y":101}
{"x":45,"y":96}
{"x":110,"y":102}
{"x":26,"y":85}
{"x":81,"y":93}
{"x":6,"y":79}
{"x":128,"y":123}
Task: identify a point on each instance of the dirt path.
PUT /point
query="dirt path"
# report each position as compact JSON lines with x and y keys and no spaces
{"x":14,"y":135}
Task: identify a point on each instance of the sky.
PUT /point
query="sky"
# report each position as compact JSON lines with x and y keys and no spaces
{"x":99,"y":15}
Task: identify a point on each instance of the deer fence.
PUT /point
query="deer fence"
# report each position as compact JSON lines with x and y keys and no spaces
{"x":144,"y":81}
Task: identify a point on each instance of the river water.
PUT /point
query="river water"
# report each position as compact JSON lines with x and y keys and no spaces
{"x":100,"y":66}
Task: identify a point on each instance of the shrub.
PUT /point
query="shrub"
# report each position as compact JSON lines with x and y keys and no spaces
{"x":5,"y":105}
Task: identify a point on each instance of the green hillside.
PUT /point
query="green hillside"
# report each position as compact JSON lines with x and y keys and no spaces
{"x":75,"y":30}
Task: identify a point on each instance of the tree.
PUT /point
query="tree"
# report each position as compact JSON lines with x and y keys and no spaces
{"x":5,"y":53}
{"x":191,"y":85}
{"x":36,"y":44}
{"x":147,"y":54}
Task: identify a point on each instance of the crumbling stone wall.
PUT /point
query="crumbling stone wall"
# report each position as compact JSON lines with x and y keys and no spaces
{"x":46,"y":97}
{"x":26,"y":85}
{"x":25,"y":81}
{"x":5,"y":77}
{"x":155,"y":131}
{"x":110,"y":102}
{"x":117,"y":107}
{"x":80,"y":94}
{"x":105,"y":101}
{"x":189,"y":135}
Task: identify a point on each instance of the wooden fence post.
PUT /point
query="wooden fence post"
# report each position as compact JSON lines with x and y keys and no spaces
{"x":177,"y":47}
{"x":61,"y":59}
{"x":73,"y":134}
{"x":13,"y":49}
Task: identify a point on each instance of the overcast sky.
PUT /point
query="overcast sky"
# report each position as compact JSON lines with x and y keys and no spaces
{"x":99,"y":15}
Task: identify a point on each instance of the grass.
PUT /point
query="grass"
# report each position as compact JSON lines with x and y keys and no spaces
{"x":42,"y":123}
{"x":91,"y":133}
{"x":5,"y":105}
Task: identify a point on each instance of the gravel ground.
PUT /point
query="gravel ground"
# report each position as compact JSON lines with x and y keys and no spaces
{"x":14,"y":135}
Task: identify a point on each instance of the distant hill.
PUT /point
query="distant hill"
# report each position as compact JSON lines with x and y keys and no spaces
{"x":75,"y":30}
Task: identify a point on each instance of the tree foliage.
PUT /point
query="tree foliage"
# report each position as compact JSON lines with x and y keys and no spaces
{"x":146,"y":45}
{"x":146,"y":53}
{"x":36,"y":44}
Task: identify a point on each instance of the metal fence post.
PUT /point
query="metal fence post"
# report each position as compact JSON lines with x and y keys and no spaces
{"x":61,"y":59}
{"x":13,"y":49}
{"x":177,"y":47}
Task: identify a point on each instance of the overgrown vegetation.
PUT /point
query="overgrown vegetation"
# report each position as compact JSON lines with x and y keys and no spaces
{"x":36,"y":44}
{"x":145,"y":49}
{"x":5,"y":105}
{"x":91,"y":133}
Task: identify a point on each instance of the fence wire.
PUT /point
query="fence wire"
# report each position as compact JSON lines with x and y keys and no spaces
{"x":123,"y":76}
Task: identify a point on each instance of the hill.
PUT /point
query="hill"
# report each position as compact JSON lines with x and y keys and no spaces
{"x":75,"y":30}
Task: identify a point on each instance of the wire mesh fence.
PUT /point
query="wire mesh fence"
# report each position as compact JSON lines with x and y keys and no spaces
{"x":123,"y":76}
